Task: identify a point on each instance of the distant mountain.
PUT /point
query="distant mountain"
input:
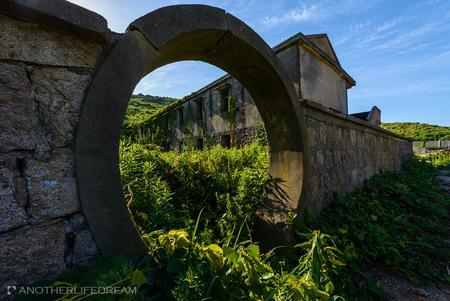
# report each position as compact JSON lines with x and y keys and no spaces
{"x":418,"y":131}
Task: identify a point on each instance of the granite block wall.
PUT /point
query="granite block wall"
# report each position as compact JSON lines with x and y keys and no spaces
{"x":343,"y":151}
{"x":430,"y":147}
{"x":44,"y":73}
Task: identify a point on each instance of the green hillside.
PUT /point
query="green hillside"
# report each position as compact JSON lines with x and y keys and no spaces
{"x":141,"y":107}
{"x":418,"y":131}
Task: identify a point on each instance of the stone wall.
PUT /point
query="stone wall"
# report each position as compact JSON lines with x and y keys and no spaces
{"x":45,"y":70}
{"x":246,"y":136}
{"x":430,"y":147}
{"x":343,"y":151}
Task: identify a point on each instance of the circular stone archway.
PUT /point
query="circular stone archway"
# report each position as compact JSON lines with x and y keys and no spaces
{"x":167,"y":35}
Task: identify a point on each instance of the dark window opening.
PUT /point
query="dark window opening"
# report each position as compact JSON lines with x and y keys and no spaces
{"x":166,"y":123}
{"x":225,"y":141}
{"x":199,"y":143}
{"x":225,"y":98}
{"x":181,"y":147}
{"x":199,"y":105}
{"x":243,"y":99}
{"x":180,"y":117}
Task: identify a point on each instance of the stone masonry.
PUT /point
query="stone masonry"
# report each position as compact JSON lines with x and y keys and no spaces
{"x":343,"y":151}
{"x":44,"y":73}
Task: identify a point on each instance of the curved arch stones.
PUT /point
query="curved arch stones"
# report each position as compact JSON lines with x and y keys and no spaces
{"x":166,"y":35}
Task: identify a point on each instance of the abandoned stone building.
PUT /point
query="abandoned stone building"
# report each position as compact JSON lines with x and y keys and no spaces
{"x":224,"y":112}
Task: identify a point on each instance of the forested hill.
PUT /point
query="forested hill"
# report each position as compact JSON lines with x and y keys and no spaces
{"x":142,"y":106}
{"x":419,"y":131}
{"x":163,"y":100}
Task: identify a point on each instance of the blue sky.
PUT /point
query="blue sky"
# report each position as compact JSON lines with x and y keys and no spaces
{"x":397,"y":51}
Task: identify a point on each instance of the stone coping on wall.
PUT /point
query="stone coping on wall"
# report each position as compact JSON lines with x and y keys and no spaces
{"x":328,"y":111}
{"x":60,"y":14}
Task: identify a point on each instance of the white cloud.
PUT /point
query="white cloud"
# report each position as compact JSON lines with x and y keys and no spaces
{"x":293,"y":16}
{"x":390,"y":23}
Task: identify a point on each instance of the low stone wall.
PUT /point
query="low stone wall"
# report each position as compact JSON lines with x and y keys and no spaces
{"x":45,"y":70}
{"x":342,"y":151}
{"x":430,"y":147}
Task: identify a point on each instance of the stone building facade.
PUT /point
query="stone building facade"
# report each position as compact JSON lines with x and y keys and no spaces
{"x":342,"y":149}
{"x":223,"y":112}
{"x":51,"y":53}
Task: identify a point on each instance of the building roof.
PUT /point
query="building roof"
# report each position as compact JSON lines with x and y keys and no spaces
{"x":321,"y":46}
{"x":361,"y":115}
{"x":322,"y":41}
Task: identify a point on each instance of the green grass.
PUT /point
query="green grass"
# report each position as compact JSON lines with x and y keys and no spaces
{"x":418,"y":131}
{"x":196,"y":209}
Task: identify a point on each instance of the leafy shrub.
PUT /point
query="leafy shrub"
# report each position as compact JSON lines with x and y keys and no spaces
{"x":179,"y":268}
{"x":167,"y":189}
{"x":439,"y":160}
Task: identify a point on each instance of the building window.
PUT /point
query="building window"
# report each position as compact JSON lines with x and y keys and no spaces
{"x":199,"y":105}
{"x":199,"y":143}
{"x":225,"y":98}
{"x":181,"y":147}
{"x":225,"y":141}
{"x":180,"y":117}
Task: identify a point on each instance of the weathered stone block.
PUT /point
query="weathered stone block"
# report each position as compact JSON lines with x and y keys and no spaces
{"x":432,"y":144}
{"x":59,"y":93}
{"x":329,"y":160}
{"x":38,"y":44}
{"x":338,"y":159}
{"x":312,"y":136}
{"x":360,"y":139}
{"x":32,"y":253}
{"x":353,"y":137}
{"x":12,"y":215}
{"x":323,"y":134}
{"x":18,"y":114}
{"x":445,"y":143}
{"x":52,"y":186}
{"x":338,"y":136}
{"x":320,"y":158}
{"x":21,"y":191}
{"x":84,"y":247}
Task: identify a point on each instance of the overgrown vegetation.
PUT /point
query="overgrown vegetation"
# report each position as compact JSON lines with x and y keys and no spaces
{"x":196,"y":210}
{"x":441,"y":161}
{"x":419,"y":131}
{"x":168,"y":189}
{"x":396,"y":221}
